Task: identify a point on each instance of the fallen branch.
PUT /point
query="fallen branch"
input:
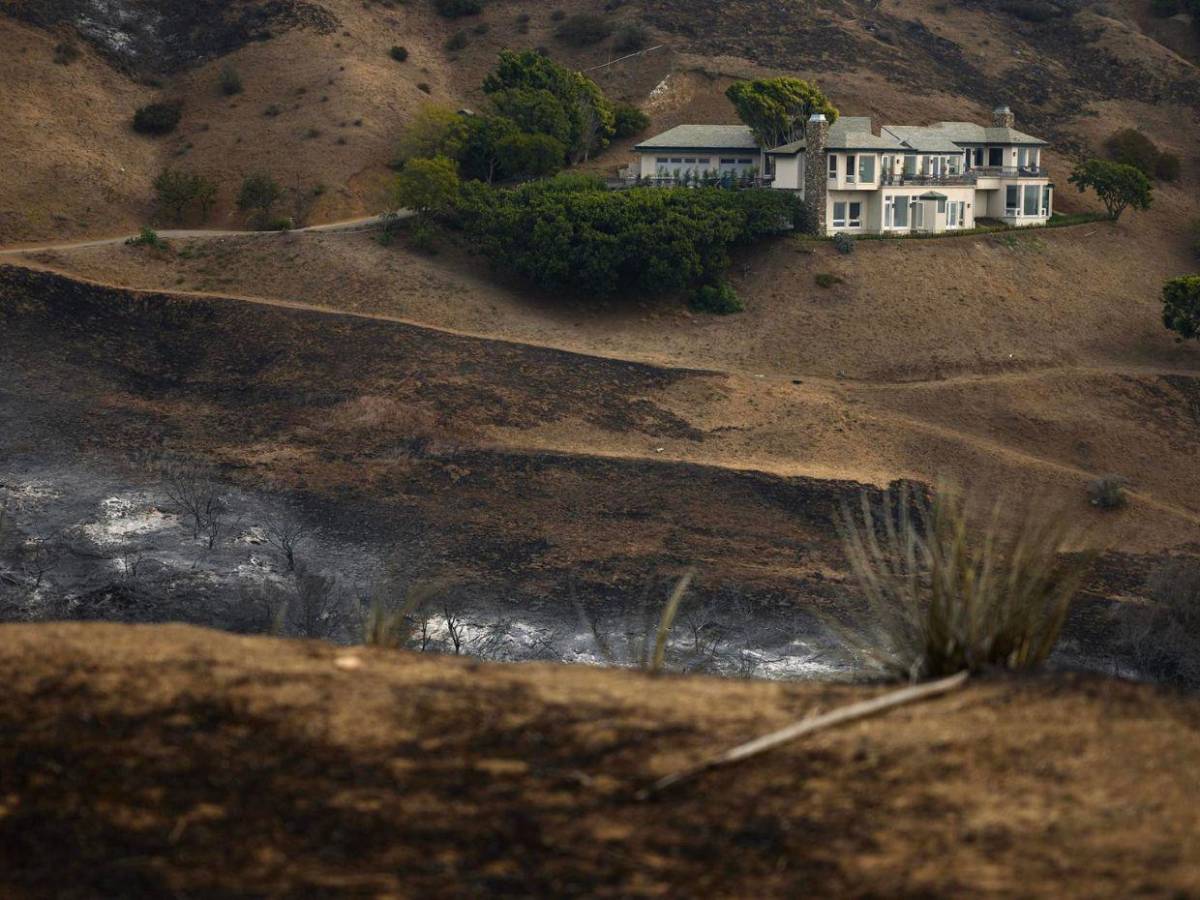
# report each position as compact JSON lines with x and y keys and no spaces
{"x":849,"y":713}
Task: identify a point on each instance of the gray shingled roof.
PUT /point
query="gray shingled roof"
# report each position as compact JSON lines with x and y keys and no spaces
{"x":921,"y":139}
{"x":702,"y":137}
{"x":967,"y":133}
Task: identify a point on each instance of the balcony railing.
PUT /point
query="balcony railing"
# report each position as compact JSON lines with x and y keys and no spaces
{"x":963,"y":178}
{"x":1008,"y":171}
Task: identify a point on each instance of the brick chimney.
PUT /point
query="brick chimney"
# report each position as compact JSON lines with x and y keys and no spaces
{"x":1002,"y":117}
{"x":816,"y":170}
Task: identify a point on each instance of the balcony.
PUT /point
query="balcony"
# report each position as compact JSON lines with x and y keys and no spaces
{"x":1008,"y":172}
{"x":932,"y":180}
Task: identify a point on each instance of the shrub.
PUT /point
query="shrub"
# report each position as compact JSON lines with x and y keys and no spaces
{"x":530,"y":155}
{"x":826,"y":279}
{"x":259,"y":193}
{"x":942,"y":599}
{"x":433,"y":131}
{"x":1163,"y":637}
{"x":570,"y":233}
{"x":1165,"y":9}
{"x":628,"y":120}
{"x":1181,"y":306}
{"x":230,"y":81}
{"x":65,"y":53}
{"x":1167,"y":167}
{"x":457,"y":41}
{"x":630,"y":38}
{"x":147,"y":237}
{"x":272,"y":111}
{"x":1132,"y":148}
{"x":843,"y":243}
{"x":426,"y":186}
{"x":1118,"y":186}
{"x":482,"y":28}
{"x":583,"y":30}
{"x":1031,"y":10}
{"x":176,"y":190}
{"x":456,"y":9}
{"x":720,"y":299}
{"x":157,"y":118}
{"x":399,"y":54}
{"x":281,"y":223}
{"x":1107,"y":492}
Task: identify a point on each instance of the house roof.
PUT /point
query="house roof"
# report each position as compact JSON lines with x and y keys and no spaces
{"x":847,"y":133}
{"x":932,"y":195}
{"x":702,"y":137}
{"x":923,"y":140}
{"x":961,"y":133}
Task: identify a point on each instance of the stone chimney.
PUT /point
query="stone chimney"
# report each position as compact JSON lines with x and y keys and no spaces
{"x":1002,"y":117}
{"x":816,"y":171}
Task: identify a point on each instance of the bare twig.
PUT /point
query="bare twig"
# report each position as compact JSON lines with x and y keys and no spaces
{"x":813,"y":724}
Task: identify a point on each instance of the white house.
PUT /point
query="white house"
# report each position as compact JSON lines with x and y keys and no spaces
{"x":933,"y":178}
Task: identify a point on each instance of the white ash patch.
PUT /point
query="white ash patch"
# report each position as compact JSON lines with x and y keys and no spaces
{"x":125,"y":518}
{"x":26,"y":494}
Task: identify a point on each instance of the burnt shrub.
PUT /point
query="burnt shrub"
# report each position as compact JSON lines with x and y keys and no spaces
{"x":230,"y":81}
{"x":1164,"y":9}
{"x":1132,"y":148}
{"x":630,"y":38}
{"x":457,"y":41}
{"x":399,"y":54}
{"x":157,"y":118}
{"x":1167,"y":167}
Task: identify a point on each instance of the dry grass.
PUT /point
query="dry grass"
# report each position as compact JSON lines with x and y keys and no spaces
{"x":943,"y":597}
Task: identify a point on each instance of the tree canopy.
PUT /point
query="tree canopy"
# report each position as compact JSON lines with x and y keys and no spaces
{"x":777,"y":108}
{"x":426,"y":186}
{"x":1181,"y":306}
{"x":1118,"y":186}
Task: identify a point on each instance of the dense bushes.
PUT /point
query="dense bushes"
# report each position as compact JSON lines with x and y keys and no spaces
{"x":1181,"y":306}
{"x":455,"y":9}
{"x":157,"y":118}
{"x":1132,"y":148}
{"x":570,"y":233}
{"x":630,"y":38}
{"x":628,"y":120}
{"x":1118,"y":186}
{"x":176,"y":190}
{"x":230,"y":81}
{"x":719,"y":299}
{"x":398,"y":53}
{"x":583,"y":30}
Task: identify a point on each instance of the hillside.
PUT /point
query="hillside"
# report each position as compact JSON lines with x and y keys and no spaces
{"x":174,"y":761}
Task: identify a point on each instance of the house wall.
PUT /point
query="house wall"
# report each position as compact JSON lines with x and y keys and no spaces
{"x":789,"y":172}
{"x":652,"y":164}
{"x":964,"y":195}
{"x":847,"y":182}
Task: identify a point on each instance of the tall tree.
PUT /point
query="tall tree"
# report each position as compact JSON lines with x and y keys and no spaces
{"x":426,"y":186}
{"x":777,"y":108}
{"x":1181,"y":306}
{"x":1117,"y":185}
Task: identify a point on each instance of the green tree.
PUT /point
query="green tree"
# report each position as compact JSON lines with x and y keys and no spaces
{"x":583,"y":103}
{"x":433,"y":131}
{"x":174,"y":190}
{"x":629,"y":120}
{"x":480,"y":154}
{"x":259,"y":193}
{"x":1117,"y":185}
{"x":777,"y":108}
{"x":1181,"y":306}
{"x":530,"y":155}
{"x":426,"y":186}
{"x":206,"y":196}
{"x":534,"y":111}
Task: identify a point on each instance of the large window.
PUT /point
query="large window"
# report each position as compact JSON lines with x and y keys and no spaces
{"x":1012,"y":199}
{"x":839,"y":214}
{"x":1033,"y":196}
{"x":995,"y":156}
{"x":855,"y":220}
{"x":1046,"y":207}
{"x":866,"y":169}
{"x":833,"y":165}
{"x":910,"y":164}
{"x":850,"y":170}
{"x":900,"y":212}
{"x":954,"y":213}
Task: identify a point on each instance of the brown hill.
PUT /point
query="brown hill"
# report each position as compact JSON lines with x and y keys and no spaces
{"x":172,"y":761}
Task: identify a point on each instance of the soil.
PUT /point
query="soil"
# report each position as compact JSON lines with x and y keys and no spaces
{"x":172,"y":761}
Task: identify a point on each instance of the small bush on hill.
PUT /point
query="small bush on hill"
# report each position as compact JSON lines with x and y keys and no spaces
{"x":583,"y":30}
{"x":66,"y":53}
{"x":826,"y":279}
{"x":628,"y":120}
{"x":1164,"y":637}
{"x":1107,"y":492}
{"x":1118,"y":186}
{"x":1167,"y":167}
{"x":843,"y":243}
{"x":455,"y":9}
{"x":571,"y":233}
{"x":259,"y":193}
{"x":1132,"y":148}
{"x":457,"y":41}
{"x":157,"y":118}
{"x":1181,"y":306}
{"x":719,"y":299}
{"x":230,"y":81}
{"x":399,"y":54}
{"x":1031,"y":10}
{"x":176,"y":190}
{"x":630,"y":38}
{"x":147,"y":237}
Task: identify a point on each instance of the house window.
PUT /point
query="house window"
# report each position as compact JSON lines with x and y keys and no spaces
{"x":910,"y":164}
{"x":1035,"y":156}
{"x":855,"y":220}
{"x":662,"y":159}
{"x":832,"y":165}
{"x":900,"y":212}
{"x":704,"y":162}
{"x":866,"y":169}
{"x":995,"y":156}
{"x":690,"y":159}
{"x":1033,"y":196}
{"x":676,"y":159}
{"x":941,"y":204}
{"x":1023,"y":156}
{"x":1012,"y":199}
{"x":745,"y":162}
{"x":1046,"y":201}
{"x":850,"y":170}
{"x":839,"y":215}
{"x":728,"y":161}
{"x":953,"y":213}
{"x":979,"y":156}
{"x":918,"y":213}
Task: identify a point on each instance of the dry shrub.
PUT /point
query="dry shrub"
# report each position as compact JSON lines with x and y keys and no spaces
{"x":1164,"y":637}
{"x":944,"y":597}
